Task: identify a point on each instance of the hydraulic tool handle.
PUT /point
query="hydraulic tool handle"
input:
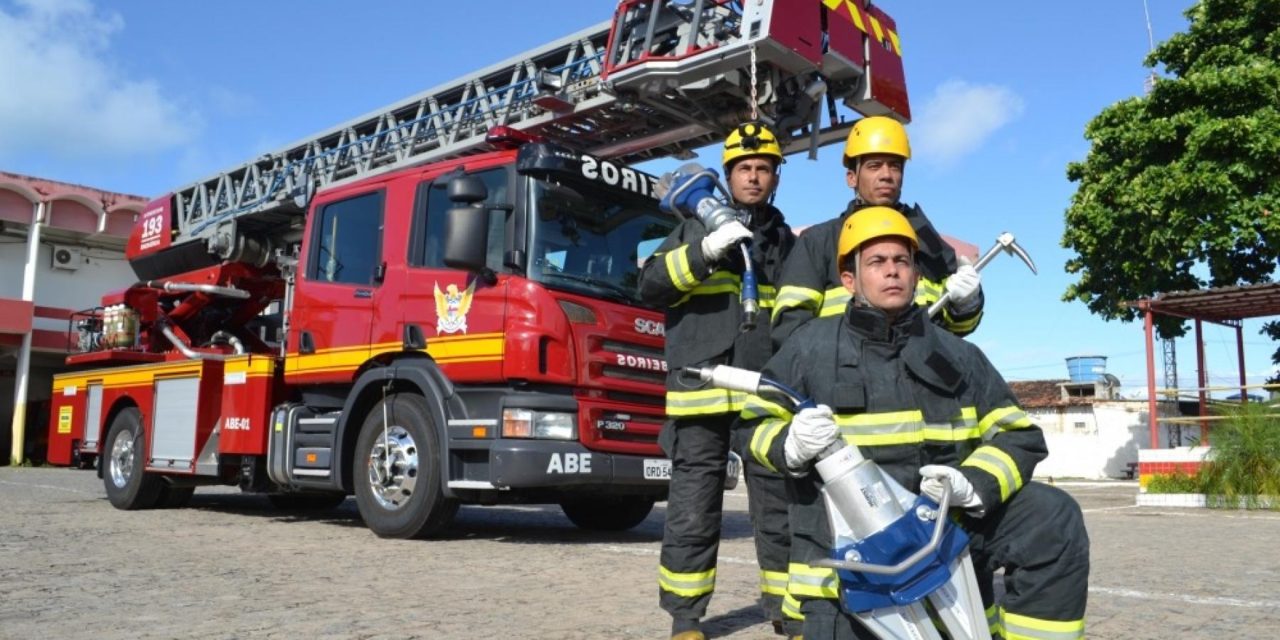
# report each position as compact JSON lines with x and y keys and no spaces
{"x":940,"y":520}
{"x":747,"y":381}
{"x":750,"y":293}
{"x":675,"y":195}
{"x":1005,"y":242}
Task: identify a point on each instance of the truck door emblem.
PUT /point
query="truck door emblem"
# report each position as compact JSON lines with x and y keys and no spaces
{"x":452,"y":307}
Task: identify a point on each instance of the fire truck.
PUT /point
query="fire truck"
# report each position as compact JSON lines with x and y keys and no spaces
{"x":436,"y":303}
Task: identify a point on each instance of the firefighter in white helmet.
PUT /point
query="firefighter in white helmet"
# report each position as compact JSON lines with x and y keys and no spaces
{"x":696,"y":275}
{"x":875,"y":157}
{"x":924,"y":405}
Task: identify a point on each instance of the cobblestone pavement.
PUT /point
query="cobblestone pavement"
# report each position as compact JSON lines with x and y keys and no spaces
{"x":230,"y":566}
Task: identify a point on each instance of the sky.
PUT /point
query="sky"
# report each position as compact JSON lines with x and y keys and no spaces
{"x":146,"y":96}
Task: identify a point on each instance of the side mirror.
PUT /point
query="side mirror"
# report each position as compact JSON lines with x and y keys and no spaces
{"x":466,"y":239}
{"x":466,"y":227}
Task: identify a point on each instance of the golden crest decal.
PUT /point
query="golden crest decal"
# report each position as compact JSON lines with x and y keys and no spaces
{"x":452,"y":307}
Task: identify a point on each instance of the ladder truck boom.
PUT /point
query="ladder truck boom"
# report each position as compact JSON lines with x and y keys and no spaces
{"x":661,"y":79}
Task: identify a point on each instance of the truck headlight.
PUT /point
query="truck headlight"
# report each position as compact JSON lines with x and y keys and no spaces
{"x":548,"y":425}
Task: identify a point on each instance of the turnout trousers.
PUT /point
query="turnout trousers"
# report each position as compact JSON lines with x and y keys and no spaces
{"x":1039,"y":539}
{"x":699,"y":451}
{"x":767,"y":493}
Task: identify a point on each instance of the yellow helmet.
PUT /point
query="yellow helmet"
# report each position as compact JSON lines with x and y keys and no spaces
{"x":871,"y":223}
{"x":750,"y":139}
{"x":877,"y":134}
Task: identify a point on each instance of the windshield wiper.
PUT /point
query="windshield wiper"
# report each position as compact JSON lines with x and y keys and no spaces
{"x":620,"y":292}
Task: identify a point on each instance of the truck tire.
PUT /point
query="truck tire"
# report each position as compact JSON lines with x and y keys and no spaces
{"x":306,"y":501}
{"x":608,"y":514}
{"x":397,"y":471}
{"x":128,"y":486}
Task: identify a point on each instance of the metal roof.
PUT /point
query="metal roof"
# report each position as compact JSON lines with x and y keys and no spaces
{"x":1219,"y":305}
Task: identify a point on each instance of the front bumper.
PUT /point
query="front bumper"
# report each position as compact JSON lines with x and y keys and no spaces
{"x":525,"y":464}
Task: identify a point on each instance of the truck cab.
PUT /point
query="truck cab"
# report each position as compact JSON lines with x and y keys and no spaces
{"x":509,"y":282}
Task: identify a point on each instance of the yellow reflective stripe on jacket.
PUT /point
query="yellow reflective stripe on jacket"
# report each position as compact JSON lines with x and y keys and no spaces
{"x":879,"y":429}
{"x":677,"y":262}
{"x":791,"y":607}
{"x":688,"y":585}
{"x":834,"y":301}
{"x":722,"y":282}
{"x":718,"y":283}
{"x":997,"y":463}
{"x":795,"y":297}
{"x":768,"y":294}
{"x":1018,"y":627}
{"x":762,"y":439}
{"x":927,"y":292}
{"x":1004,"y":419}
{"x":963,"y":426}
{"x":993,"y":622}
{"x":704,"y":401}
{"x":960,"y":326}
{"x":757,"y":407}
{"x":805,"y":581}
{"x":773,"y":582}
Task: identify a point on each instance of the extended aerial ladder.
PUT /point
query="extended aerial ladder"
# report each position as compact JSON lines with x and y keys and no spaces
{"x":661,"y":79}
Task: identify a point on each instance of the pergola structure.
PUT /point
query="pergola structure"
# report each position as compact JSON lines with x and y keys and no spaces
{"x":1227,"y":306}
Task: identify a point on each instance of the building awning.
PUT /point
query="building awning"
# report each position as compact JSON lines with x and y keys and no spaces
{"x":1223,"y":304}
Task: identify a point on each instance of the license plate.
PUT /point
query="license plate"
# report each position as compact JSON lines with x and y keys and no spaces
{"x":657,"y":469}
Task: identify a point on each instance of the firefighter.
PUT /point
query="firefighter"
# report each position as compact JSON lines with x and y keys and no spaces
{"x":696,"y":276}
{"x":875,"y":157}
{"x":924,"y":405}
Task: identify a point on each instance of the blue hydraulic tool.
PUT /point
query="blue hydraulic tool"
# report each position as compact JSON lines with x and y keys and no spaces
{"x":904,"y":566}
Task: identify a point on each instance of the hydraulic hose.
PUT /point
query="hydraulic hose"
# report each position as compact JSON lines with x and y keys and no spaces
{"x":750,"y":294}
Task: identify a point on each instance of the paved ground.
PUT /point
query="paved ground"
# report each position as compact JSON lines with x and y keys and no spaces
{"x":229,"y":566}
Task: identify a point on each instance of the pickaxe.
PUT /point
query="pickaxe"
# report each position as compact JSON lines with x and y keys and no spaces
{"x":1004,"y":243}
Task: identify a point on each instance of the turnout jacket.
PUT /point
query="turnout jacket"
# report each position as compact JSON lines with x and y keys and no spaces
{"x":907,"y":393}
{"x":810,"y":285}
{"x":703,"y":302}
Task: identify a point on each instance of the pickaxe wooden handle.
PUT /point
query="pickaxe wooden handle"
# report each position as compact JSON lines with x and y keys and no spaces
{"x":1004,"y":243}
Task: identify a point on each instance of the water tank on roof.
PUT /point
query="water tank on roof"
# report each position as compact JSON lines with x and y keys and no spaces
{"x":1086,"y":368}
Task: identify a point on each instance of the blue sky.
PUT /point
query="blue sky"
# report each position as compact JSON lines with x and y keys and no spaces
{"x":148,"y":95}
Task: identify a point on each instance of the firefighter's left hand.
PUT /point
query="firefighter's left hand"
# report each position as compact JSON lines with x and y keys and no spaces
{"x":962,"y":493}
{"x":963,"y":286}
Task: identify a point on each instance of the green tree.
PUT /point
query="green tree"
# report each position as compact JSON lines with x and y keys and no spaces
{"x":1187,"y":175}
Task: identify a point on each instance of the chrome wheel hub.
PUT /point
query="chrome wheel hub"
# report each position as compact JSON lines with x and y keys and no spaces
{"x":122,"y":458}
{"x":393,"y":468}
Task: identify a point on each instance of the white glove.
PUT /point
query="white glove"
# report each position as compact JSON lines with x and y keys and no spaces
{"x":812,"y":430}
{"x":963,"y":287}
{"x":962,"y":493}
{"x":717,"y":243}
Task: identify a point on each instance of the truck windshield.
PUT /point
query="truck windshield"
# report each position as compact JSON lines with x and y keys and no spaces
{"x":592,"y":239}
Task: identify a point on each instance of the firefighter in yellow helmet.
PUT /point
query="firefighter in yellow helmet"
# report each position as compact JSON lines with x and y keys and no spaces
{"x":924,"y":405}
{"x":696,"y":275}
{"x":875,"y":157}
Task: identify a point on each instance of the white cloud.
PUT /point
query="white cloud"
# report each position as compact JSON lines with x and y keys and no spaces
{"x":63,"y":96}
{"x":959,"y":118}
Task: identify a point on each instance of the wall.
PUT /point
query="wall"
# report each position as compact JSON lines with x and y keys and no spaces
{"x":1094,"y":441}
{"x":100,"y":271}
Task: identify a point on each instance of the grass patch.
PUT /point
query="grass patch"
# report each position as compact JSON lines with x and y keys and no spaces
{"x":1244,"y":468}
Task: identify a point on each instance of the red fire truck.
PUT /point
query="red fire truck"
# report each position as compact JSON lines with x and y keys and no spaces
{"x":436,"y":303}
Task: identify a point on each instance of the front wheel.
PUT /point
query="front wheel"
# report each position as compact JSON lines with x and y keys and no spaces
{"x":128,"y":486}
{"x":608,"y":514}
{"x":397,"y":471}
